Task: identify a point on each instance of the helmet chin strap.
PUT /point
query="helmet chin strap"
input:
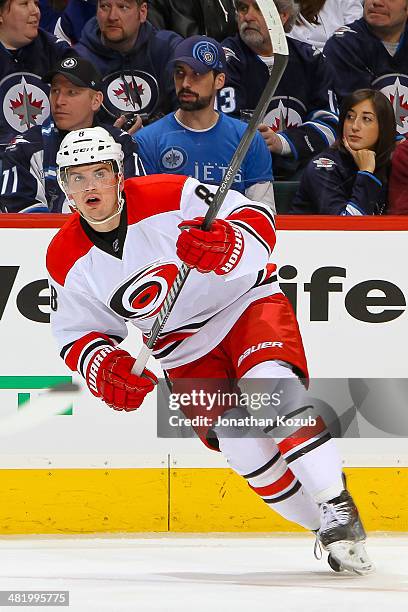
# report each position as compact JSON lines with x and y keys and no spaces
{"x":92,"y":222}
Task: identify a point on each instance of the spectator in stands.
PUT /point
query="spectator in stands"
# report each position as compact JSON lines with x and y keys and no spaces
{"x":26,"y":54}
{"x":398,"y":189}
{"x":214,"y":18}
{"x":197,"y":140}
{"x":29,"y":163}
{"x":373,"y":52}
{"x":73,"y":19}
{"x":132,"y":58}
{"x":301,"y":119}
{"x":351,"y":177}
{"x":318,"y":19}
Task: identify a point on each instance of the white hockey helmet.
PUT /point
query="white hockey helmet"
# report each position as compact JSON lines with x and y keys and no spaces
{"x":90,"y":146}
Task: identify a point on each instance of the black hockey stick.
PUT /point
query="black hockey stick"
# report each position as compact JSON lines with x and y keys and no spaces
{"x":280,"y":50}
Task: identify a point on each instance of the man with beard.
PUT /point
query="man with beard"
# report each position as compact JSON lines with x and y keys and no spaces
{"x":197,"y":140}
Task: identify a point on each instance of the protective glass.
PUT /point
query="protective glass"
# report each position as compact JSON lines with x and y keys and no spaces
{"x":87,"y":178}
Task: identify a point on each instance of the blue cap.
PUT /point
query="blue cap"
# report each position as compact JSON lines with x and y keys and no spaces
{"x":202,"y":54}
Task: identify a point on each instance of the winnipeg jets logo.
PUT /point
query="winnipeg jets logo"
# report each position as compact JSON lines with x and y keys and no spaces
{"x":207,"y":53}
{"x":173,"y":158}
{"x":27,"y":108}
{"x":24,"y":103}
{"x":283,"y":117}
{"x":129,"y":94}
{"x":142,"y":295}
{"x":395,"y":87}
{"x":70,"y":62}
{"x":125,"y":91}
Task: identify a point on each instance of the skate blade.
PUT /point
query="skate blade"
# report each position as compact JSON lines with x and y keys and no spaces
{"x":351,"y":556}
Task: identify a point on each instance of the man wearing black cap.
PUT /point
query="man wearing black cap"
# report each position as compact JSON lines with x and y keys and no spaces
{"x":29,"y":178}
{"x":197,"y":140}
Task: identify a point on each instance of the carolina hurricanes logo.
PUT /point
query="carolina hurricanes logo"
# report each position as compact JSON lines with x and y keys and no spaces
{"x":283,"y":117}
{"x":127,"y":92}
{"x":142,"y":295}
{"x":25,"y":103}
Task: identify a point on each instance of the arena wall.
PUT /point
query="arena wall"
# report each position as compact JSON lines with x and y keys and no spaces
{"x":95,"y":470}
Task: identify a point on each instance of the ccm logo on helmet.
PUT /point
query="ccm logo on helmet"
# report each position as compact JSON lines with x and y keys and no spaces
{"x":258,"y":347}
{"x":83,"y":150}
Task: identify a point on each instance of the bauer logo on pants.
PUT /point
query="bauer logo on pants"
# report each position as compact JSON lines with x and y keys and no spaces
{"x":258,"y":347}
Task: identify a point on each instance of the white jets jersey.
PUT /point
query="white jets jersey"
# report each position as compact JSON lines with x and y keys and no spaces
{"x":94,"y":292}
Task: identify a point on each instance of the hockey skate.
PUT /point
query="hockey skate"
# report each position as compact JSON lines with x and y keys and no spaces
{"x":342,"y":534}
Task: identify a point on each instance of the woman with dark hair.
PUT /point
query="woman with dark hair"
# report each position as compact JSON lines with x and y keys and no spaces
{"x":351,"y":177}
{"x":318,"y":19}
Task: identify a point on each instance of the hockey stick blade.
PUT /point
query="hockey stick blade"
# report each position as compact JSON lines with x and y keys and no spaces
{"x":41,"y":409}
{"x":280,"y":48}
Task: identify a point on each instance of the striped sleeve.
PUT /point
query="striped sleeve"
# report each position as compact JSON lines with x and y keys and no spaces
{"x":82,"y":326}
{"x":77,"y":355}
{"x":258,"y":221}
{"x":253,"y":219}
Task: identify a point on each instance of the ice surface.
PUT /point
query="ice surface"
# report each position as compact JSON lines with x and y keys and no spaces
{"x":202,"y":574}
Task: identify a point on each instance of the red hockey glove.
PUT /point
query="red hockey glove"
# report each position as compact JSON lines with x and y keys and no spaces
{"x":218,"y":250}
{"x":109,"y":377}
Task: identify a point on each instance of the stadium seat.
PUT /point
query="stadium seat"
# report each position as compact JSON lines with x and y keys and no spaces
{"x":284,"y":194}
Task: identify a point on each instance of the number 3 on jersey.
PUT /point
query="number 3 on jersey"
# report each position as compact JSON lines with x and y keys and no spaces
{"x":226,"y":100}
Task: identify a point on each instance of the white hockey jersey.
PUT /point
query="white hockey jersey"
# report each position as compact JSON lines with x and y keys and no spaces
{"x":94,"y":293}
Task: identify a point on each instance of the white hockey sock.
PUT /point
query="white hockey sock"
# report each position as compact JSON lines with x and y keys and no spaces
{"x":258,"y":460}
{"x":320,"y":472}
{"x":308,"y":450}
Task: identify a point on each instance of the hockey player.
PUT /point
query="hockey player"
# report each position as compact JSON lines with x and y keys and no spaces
{"x":301,"y":119}
{"x":26,"y":54}
{"x":29,"y":180}
{"x":197,"y":140}
{"x":132,"y":57}
{"x":372,"y":52}
{"x":114,"y":261}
